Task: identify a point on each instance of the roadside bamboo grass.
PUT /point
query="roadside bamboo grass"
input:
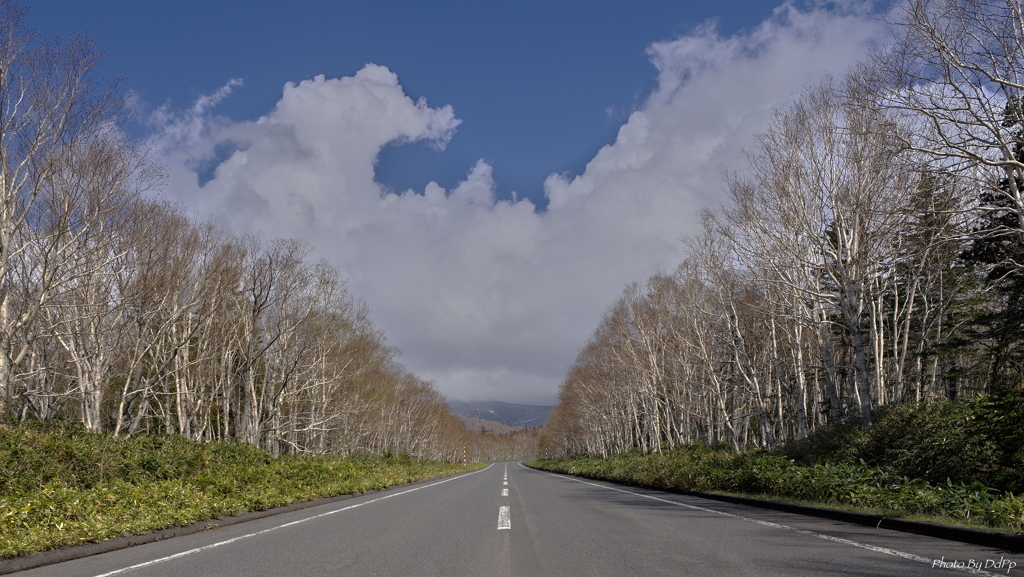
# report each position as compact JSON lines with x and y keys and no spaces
{"x":859,"y":487}
{"x":61,"y":485}
{"x":958,"y":462}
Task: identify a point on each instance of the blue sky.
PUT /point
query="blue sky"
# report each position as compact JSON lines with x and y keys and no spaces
{"x":539,"y":85}
{"x":614,"y":123}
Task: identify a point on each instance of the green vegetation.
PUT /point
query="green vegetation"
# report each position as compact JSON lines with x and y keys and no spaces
{"x":61,"y":485}
{"x":958,"y":462}
{"x":971,"y":440}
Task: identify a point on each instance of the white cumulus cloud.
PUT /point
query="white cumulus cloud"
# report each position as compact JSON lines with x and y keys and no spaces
{"x":491,"y":298}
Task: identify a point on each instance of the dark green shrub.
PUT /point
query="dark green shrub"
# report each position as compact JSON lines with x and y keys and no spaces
{"x":965,"y":441}
{"x":962,"y":460}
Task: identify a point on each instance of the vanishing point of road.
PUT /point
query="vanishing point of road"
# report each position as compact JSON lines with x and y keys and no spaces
{"x":509,"y":520}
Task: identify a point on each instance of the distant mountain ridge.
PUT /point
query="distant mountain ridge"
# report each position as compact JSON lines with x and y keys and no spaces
{"x":483,"y":426}
{"x":528,"y":416}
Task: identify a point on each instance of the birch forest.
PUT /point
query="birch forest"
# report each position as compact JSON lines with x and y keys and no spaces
{"x":869,"y":253}
{"x":129,"y":315}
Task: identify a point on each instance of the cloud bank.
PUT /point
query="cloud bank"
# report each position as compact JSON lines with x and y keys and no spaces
{"x":491,"y":298}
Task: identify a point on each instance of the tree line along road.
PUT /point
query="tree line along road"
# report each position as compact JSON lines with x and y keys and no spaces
{"x":510,"y":520}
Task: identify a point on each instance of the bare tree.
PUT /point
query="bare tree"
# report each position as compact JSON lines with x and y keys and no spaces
{"x":58,"y":137}
{"x":956,"y":67}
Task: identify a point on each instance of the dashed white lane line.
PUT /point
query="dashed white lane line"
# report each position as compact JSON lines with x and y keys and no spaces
{"x":227,"y":541}
{"x":503,"y":519}
{"x":504,"y":492}
{"x":505,"y":483}
{"x":875,"y":548}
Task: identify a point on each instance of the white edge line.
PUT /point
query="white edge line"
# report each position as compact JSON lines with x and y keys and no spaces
{"x":239,"y":538}
{"x":875,"y":548}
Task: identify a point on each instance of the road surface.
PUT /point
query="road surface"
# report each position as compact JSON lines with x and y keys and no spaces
{"x":508,"y":520}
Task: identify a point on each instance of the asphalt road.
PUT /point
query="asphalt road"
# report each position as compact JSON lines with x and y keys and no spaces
{"x":511,"y":520}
